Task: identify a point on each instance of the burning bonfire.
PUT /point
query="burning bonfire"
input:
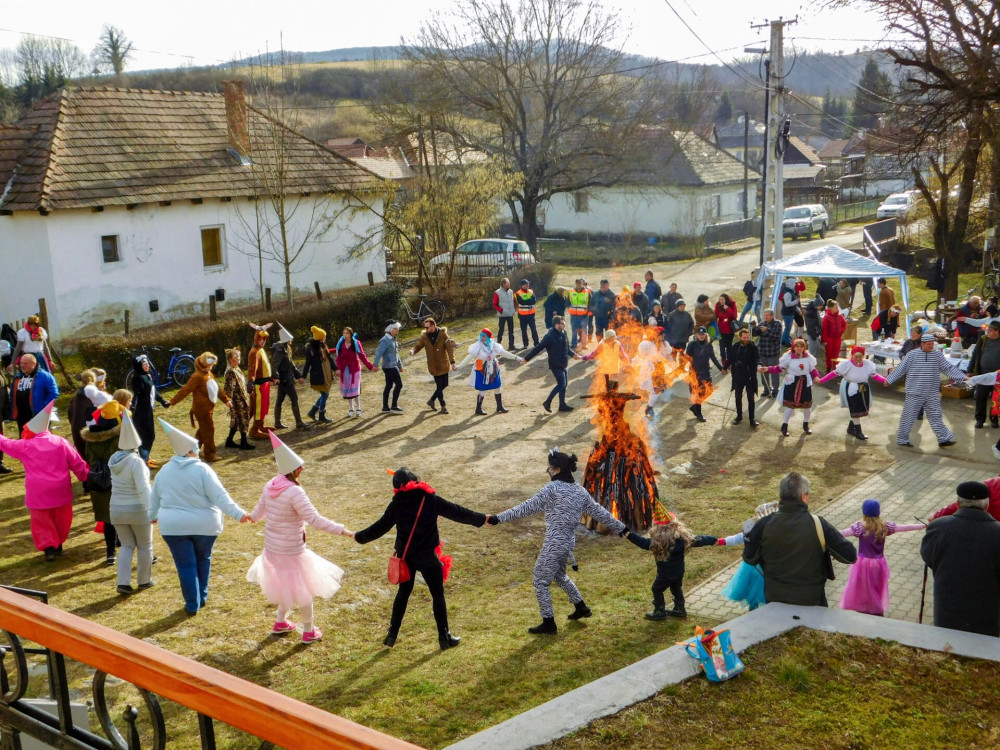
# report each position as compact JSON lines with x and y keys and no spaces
{"x":620,"y":474}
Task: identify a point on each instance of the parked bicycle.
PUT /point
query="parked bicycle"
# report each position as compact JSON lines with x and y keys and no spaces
{"x":428,"y":308}
{"x":179,"y":369}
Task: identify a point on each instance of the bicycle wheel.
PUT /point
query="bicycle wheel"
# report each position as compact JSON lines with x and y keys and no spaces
{"x":129,"y":376}
{"x":183,"y":369}
{"x":432,"y":308}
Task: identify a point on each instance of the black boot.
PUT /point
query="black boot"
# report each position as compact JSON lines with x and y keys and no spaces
{"x":313,"y":412}
{"x":582,"y":610}
{"x":500,"y":409}
{"x":246,"y":445}
{"x":805,"y":428}
{"x":446,"y":640}
{"x":547,"y":405}
{"x":784,"y":429}
{"x":852,"y":429}
{"x":390,"y":639}
{"x":677,"y":612}
{"x":858,"y":433}
{"x":546,"y":627}
{"x":230,"y":443}
{"x":479,"y":406}
{"x":322,"y":418}
{"x":658,"y":613}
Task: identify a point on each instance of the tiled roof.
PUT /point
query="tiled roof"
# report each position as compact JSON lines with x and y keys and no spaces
{"x":807,"y":152}
{"x":388,"y":163}
{"x":684,"y":159}
{"x":87,"y":147}
{"x":833,"y":150}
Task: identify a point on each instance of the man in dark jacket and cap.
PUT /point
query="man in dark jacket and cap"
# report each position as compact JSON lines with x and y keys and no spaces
{"x":700,"y":350}
{"x":556,"y":345}
{"x":791,"y":545}
{"x":963,"y":550}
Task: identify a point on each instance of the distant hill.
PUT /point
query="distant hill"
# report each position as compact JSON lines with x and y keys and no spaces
{"x":344,"y":54}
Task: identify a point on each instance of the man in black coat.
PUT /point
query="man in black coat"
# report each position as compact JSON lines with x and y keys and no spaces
{"x":700,"y":350}
{"x":963,"y":550}
{"x":742,"y":365}
{"x":556,"y":345}
{"x":787,"y":546}
{"x":602,"y":303}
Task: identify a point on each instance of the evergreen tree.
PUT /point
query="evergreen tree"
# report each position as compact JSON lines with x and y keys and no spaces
{"x":724,"y":110}
{"x":870,"y":96}
{"x":834,"y":112}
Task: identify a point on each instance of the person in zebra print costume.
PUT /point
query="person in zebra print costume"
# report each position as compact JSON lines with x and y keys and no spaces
{"x":563,"y":501}
{"x":922,"y":369}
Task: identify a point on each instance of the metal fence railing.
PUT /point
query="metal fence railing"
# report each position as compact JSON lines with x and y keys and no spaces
{"x":731,"y":231}
{"x":853,"y":211}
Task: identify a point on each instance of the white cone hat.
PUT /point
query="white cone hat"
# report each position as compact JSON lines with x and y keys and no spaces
{"x":40,"y":422}
{"x":284,"y":456}
{"x":283,"y":335}
{"x":128,"y":438}
{"x":179,"y":441}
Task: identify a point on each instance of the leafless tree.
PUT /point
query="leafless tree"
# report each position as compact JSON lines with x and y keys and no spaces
{"x":539,"y":86}
{"x":113,"y":50}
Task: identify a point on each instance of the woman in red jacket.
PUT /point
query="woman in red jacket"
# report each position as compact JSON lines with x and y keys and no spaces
{"x":834,"y":325}
{"x":726,"y":316}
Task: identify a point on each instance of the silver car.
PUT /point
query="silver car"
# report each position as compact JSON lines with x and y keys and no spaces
{"x":896,"y":206}
{"x":802,"y":221}
{"x":488,"y":257}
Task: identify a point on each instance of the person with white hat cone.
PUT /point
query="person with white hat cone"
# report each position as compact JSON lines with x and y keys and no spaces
{"x":288,"y":572}
{"x":286,"y":374}
{"x":189,"y":501}
{"x":48,"y":491}
{"x":129,"y":507}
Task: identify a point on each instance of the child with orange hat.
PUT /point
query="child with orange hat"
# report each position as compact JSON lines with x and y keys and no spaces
{"x":855,"y":393}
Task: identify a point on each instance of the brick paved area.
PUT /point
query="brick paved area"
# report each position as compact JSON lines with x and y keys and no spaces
{"x":907,"y":488}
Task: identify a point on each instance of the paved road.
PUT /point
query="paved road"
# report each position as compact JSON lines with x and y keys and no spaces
{"x":711,"y":276}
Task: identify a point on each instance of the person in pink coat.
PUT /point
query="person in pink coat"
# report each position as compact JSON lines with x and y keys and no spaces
{"x":48,"y":488}
{"x":350,"y":356}
{"x":834,"y":325}
{"x":289,"y":573}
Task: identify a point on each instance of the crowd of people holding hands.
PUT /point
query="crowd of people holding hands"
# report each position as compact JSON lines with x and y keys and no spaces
{"x":786,"y":548}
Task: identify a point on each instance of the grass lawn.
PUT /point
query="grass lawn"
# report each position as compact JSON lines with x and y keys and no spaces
{"x":488,"y":463}
{"x":817,"y":690}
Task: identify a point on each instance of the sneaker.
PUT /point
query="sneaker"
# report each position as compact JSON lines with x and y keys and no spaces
{"x":996,"y":453}
{"x":125,"y":590}
{"x":144,"y":586}
{"x":312,"y":635}
{"x":946,"y":444}
{"x":5,"y":470}
{"x":109,"y":560}
{"x":396,"y":410}
{"x":566,"y":407}
{"x":350,"y":412}
{"x":357,"y":413}
{"x":285,"y":626}
{"x":386,"y":410}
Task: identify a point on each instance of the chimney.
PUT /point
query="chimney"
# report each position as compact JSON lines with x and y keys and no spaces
{"x":236,"y":117}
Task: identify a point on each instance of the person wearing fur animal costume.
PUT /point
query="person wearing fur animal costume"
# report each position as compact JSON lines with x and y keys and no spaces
{"x":235,"y":386}
{"x":855,"y":393}
{"x":668,"y":540}
{"x":563,"y":502}
{"x":204,"y":391}
{"x":259,"y":381}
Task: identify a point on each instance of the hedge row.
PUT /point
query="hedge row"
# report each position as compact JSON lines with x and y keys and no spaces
{"x":365,"y":310}
{"x":475,"y":296}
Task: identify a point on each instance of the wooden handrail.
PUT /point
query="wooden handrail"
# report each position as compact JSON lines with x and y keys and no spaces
{"x":257,"y":710}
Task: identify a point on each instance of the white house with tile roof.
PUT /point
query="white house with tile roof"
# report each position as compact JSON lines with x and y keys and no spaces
{"x":118,"y":199}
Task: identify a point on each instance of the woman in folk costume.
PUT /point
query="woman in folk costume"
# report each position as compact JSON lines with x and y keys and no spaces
{"x":289,"y":573}
{"x":129,"y":509}
{"x":235,"y":387}
{"x":799,"y":368}
{"x":855,"y":393}
{"x":205,"y":392}
{"x":414,"y":512}
{"x":350,"y":356}
{"x":259,"y":381}
{"x":48,"y":491}
{"x":610,"y":354}
{"x":485,"y":377}
{"x":319,"y":368}
{"x":102,"y":443}
{"x":144,"y":401}
{"x":747,"y":584}
{"x":563,"y":501}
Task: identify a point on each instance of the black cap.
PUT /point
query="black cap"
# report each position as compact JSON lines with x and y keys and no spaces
{"x":702,"y":329}
{"x":973,"y":491}
{"x":524,"y":282}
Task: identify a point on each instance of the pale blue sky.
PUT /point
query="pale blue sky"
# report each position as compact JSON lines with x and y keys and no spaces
{"x":185,"y":32}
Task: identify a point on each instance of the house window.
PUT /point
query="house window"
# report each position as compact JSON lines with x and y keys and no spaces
{"x":717,"y":205}
{"x":109,"y":248}
{"x":581,"y":202}
{"x":211,"y":246}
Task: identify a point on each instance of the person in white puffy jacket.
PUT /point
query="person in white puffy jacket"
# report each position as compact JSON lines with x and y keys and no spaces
{"x":129,"y":509}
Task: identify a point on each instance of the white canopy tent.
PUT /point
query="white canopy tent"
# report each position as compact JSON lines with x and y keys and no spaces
{"x":834,"y":262}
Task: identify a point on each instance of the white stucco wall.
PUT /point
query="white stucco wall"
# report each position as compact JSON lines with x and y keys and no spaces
{"x":649,"y":211}
{"x":161,"y":258}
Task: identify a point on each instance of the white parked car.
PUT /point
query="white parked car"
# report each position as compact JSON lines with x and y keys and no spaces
{"x":896,"y":206}
{"x":804,"y":220}
{"x":487,"y":257}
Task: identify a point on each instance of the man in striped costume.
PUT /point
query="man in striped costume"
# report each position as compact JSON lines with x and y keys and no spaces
{"x":922,"y":369}
{"x":563,"y":501}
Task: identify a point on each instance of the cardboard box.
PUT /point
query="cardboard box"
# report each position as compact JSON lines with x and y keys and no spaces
{"x":951,"y":391}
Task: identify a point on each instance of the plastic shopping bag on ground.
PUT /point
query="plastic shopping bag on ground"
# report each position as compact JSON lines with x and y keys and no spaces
{"x":714,"y":651}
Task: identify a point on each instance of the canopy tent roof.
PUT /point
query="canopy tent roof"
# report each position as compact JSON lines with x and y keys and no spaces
{"x":830,"y":261}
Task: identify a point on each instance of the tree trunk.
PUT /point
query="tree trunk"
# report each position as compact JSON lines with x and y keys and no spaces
{"x":529,"y":224}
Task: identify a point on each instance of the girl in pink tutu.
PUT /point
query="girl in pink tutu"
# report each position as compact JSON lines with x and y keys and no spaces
{"x":289,"y":573}
{"x":867,"y":587}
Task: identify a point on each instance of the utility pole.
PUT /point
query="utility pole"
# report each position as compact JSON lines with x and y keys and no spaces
{"x":746,"y":165}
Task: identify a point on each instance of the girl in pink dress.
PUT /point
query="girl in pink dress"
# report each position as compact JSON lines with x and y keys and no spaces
{"x":289,"y":573}
{"x":867,"y":587}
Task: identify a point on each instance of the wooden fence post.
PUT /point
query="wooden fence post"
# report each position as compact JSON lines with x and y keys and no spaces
{"x":267,"y":298}
{"x":127,"y":318}
{"x":43,"y":313}
{"x":371,"y":279}
{"x":319,"y":294}
{"x":212,"y":314}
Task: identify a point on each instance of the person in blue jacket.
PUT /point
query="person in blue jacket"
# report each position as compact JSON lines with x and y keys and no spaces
{"x":33,"y":388}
